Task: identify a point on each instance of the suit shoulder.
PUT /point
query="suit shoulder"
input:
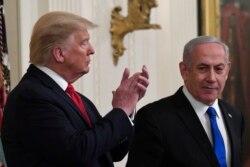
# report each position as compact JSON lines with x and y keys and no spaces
{"x":229,"y":108}
{"x":159,"y":107}
{"x":226,"y":105}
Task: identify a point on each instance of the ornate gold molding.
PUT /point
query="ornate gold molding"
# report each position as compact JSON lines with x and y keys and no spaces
{"x":138,"y":18}
{"x":210,"y":17}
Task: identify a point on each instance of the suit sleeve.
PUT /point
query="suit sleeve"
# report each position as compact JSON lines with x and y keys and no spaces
{"x":121,"y":149}
{"x":147,"y":149}
{"x":46,"y":125}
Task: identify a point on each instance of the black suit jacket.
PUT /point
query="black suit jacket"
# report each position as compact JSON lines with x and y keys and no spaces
{"x":168,"y":133}
{"x":43,"y":128}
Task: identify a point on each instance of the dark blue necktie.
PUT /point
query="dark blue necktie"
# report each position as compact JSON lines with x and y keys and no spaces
{"x":219,"y":147}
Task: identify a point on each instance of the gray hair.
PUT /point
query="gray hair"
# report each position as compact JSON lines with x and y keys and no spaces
{"x":188,"y":48}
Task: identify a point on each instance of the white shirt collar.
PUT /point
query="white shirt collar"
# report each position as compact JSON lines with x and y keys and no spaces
{"x":56,"y":77}
{"x":200,"y":108}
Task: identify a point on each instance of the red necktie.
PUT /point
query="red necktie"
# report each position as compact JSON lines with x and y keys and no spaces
{"x":77,"y":100}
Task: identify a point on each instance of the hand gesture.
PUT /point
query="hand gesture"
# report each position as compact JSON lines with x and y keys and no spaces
{"x":130,"y":90}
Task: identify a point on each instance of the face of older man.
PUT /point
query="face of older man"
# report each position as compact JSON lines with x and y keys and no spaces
{"x":77,"y":53}
{"x":206,"y":77}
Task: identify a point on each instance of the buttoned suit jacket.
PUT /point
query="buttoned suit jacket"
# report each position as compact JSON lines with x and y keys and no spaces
{"x":168,"y":133}
{"x":42,"y":127}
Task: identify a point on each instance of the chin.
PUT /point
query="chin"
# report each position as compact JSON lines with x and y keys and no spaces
{"x":85,"y":70}
{"x":209,"y":101}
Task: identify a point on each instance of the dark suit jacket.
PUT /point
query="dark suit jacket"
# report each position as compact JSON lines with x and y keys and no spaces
{"x":168,"y":133}
{"x":43,"y":128}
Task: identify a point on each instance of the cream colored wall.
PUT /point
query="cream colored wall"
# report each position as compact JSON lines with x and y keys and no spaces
{"x":159,"y":50}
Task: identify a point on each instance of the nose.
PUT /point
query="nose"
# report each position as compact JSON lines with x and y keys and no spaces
{"x":212,"y":75}
{"x":91,"y":50}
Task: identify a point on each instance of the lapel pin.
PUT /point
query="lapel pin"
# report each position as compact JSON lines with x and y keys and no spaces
{"x":230,"y":115}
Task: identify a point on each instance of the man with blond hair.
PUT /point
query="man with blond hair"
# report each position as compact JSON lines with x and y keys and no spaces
{"x":46,"y":122}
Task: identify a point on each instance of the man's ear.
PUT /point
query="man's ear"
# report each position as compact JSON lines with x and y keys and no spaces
{"x":228,"y":69}
{"x":183,"y":70}
{"x":58,"y":54}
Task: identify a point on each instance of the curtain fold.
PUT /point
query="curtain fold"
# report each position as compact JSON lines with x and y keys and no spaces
{"x":4,"y":63}
{"x":235,"y":31}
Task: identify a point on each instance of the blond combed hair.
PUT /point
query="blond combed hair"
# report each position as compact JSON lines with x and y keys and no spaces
{"x":51,"y":30}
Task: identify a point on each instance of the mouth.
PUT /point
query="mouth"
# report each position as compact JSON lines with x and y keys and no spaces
{"x":210,"y":88}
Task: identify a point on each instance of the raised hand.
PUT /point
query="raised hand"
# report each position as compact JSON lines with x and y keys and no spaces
{"x":130,"y":90}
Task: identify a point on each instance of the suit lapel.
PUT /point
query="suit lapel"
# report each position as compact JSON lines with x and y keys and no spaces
{"x":228,"y":118}
{"x":229,"y":123}
{"x":76,"y":109}
{"x":53,"y":86}
{"x":92,"y":116}
{"x":68,"y":100}
{"x":194,"y":126}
